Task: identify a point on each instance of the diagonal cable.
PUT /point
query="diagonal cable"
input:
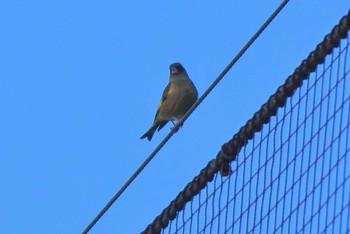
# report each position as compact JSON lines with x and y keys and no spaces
{"x":189,"y":112}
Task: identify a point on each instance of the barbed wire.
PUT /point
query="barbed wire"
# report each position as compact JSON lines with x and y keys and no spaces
{"x":230,"y":149}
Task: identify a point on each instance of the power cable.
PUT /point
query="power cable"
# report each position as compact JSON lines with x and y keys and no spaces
{"x":182,"y":120}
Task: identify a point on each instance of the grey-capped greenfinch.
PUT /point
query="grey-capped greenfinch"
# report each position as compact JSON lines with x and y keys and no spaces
{"x":178,"y":97}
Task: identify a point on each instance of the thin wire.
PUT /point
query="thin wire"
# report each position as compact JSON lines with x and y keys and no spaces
{"x":189,"y":112}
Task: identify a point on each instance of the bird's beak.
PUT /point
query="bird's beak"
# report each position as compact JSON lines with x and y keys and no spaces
{"x":174,"y":71}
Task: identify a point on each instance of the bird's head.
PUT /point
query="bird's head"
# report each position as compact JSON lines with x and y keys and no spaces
{"x":176,"y":69}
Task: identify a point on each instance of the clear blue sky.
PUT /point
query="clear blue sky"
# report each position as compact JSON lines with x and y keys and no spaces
{"x":80,"y":82}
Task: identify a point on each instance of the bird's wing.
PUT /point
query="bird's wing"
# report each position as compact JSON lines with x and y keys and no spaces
{"x":164,"y":97}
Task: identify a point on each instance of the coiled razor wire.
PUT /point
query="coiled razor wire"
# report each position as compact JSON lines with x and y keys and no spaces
{"x":229,"y":150}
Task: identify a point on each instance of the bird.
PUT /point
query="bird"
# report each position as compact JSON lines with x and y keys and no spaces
{"x":178,"y":97}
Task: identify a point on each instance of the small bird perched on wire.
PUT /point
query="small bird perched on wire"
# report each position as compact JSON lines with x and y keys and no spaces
{"x":178,"y":97}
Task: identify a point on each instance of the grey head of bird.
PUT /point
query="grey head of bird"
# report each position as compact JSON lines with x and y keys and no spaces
{"x":176,"y":69}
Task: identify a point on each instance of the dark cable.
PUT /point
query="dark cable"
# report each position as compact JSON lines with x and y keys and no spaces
{"x":182,"y":120}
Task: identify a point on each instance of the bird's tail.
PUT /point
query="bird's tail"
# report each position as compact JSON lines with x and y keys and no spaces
{"x":150,"y":132}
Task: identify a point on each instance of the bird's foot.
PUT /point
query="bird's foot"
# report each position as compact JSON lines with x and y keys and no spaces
{"x":172,"y":129}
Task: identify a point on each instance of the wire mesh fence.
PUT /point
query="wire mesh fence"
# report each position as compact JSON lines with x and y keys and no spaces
{"x":294,"y":175}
